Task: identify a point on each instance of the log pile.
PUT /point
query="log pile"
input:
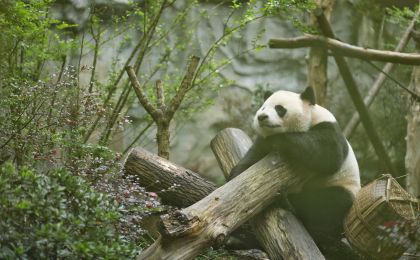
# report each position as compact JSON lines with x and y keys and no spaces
{"x":216,"y":213}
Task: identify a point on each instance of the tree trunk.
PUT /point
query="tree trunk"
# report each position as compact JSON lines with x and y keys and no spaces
{"x":279,"y":232}
{"x":162,"y":137}
{"x":180,"y":187}
{"x":412,"y":158}
{"x":317,"y":62}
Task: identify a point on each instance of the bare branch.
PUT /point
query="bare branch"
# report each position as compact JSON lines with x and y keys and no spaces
{"x":139,"y":93}
{"x":184,"y":87}
{"x":345,"y":49}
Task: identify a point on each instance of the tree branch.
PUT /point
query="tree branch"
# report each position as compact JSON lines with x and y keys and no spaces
{"x":184,"y":87}
{"x":345,"y":49}
{"x":140,"y":93}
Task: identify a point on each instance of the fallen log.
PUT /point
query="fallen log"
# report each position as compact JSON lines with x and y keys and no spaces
{"x":186,"y":233}
{"x":180,"y":187}
{"x":280,"y":234}
{"x":175,"y":185}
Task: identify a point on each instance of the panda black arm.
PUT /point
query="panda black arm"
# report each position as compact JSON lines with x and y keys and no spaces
{"x":322,"y":149}
{"x":258,"y":150}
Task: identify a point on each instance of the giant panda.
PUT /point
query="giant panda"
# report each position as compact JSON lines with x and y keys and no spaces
{"x":308,"y":137}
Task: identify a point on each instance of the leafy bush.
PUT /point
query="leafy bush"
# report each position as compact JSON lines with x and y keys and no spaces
{"x":57,"y":215}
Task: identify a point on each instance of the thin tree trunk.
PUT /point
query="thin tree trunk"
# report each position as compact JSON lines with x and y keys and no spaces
{"x":412,"y":157}
{"x":162,"y":137}
{"x":317,"y":62}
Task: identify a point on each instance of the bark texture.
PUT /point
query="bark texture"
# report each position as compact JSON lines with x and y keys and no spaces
{"x":175,"y":185}
{"x":283,"y":236}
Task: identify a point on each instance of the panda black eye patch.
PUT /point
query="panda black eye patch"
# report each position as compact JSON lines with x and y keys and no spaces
{"x":281,"y":111}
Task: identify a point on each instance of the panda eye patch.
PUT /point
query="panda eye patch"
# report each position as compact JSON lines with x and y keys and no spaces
{"x":281,"y":111}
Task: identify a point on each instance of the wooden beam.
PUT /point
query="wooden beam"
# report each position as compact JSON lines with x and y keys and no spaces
{"x":345,"y":49}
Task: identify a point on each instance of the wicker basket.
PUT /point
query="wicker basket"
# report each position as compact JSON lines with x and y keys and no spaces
{"x":379,"y":203}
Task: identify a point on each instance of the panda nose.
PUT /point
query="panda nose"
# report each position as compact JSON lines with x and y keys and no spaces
{"x":262,"y":117}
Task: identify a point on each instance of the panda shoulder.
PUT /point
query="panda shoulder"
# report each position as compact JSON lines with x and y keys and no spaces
{"x":321,"y":114}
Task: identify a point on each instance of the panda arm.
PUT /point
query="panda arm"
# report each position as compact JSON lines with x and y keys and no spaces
{"x":258,"y":150}
{"x":322,"y":149}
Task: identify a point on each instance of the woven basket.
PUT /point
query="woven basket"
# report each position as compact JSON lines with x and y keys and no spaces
{"x":379,"y":203}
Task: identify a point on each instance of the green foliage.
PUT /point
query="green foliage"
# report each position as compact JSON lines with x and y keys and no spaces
{"x":55,"y":216}
{"x":27,"y":38}
{"x":44,"y":123}
{"x":401,"y":15}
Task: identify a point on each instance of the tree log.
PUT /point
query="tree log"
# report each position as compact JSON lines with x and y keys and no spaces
{"x":283,"y":236}
{"x":175,"y":185}
{"x":345,"y":49}
{"x":187,"y":232}
{"x":279,"y":232}
{"x":229,"y":146}
{"x":180,"y":187}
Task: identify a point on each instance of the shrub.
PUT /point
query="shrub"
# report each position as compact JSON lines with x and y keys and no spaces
{"x":57,"y":215}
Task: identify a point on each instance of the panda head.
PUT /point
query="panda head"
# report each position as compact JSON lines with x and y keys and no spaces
{"x":285,"y":111}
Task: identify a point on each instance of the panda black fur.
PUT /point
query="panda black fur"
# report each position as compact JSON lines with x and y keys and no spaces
{"x":308,"y":137}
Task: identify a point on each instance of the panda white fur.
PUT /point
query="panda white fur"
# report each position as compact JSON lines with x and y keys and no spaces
{"x":308,"y":137}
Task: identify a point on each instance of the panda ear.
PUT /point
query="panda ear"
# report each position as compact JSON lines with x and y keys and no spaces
{"x":267,"y":94}
{"x":308,"y":95}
